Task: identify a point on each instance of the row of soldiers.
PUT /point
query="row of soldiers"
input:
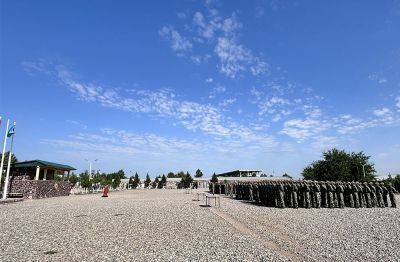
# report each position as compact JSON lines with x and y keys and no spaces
{"x":310,"y":194}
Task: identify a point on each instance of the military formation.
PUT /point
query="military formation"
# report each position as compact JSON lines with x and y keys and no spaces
{"x":310,"y":194}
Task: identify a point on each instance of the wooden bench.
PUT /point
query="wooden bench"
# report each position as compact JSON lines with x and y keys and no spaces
{"x":215,"y":197}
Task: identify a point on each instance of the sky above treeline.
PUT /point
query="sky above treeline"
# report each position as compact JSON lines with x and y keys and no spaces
{"x":159,"y":86}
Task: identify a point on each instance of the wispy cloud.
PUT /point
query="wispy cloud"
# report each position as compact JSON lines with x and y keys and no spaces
{"x":219,"y":36}
{"x":377,"y":78}
{"x":178,"y":42}
{"x":162,"y":103}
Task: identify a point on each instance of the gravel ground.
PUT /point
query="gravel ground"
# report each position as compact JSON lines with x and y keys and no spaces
{"x":134,"y":225}
{"x":166,"y":225}
{"x":365,"y":234}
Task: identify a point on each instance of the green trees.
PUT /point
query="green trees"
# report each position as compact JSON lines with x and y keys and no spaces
{"x":147,"y":181}
{"x":214,"y":178}
{"x":85,"y":181}
{"x":155,"y":182}
{"x":171,"y":175}
{"x":198,"y":173}
{"x":287,"y":176}
{"x":136,"y":181}
{"x":186,"y":180}
{"x":338,"y":165}
{"x":163,"y":181}
{"x":73,"y":179}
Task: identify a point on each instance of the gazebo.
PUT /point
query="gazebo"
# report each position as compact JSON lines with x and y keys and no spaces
{"x":40,"y":170}
{"x":39,"y":178}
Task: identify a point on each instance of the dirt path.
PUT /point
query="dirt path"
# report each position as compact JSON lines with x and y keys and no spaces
{"x":242,"y":228}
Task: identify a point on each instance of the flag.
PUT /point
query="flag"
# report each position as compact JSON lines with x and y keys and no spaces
{"x":11,"y":131}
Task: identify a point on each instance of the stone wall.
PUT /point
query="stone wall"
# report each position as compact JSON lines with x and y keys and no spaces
{"x":40,"y":188}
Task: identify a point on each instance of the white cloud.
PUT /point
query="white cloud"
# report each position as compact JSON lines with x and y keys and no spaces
{"x":232,"y":56}
{"x":209,"y":80}
{"x":221,"y":34}
{"x":383,"y":112}
{"x":164,"y":104}
{"x":302,"y":129}
{"x":219,"y":89}
{"x":377,"y":78}
{"x":398,"y":102}
{"x":178,"y":42}
{"x":227,"y":102}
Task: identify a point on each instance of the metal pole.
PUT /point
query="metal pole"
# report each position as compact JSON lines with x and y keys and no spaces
{"x":8,"y":167}
{"x":4,"y":150}
{"x":363,"y":169}
{"x":90,"y":170}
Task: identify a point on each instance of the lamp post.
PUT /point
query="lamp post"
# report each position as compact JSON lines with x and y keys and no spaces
{"x":363,"y":166}
{"x":90,"y":167}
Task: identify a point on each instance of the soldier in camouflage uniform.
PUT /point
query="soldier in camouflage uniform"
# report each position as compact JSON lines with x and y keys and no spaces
{"x":294,"y":195}
{"x":355,"y":194}
{"x":385,"y":194}
{"x":317,"y":190}
{"x":280,"y":196}
{"x":340,"y":196}
{"x":324,"y":195}
{"x":379,"y":196}
{"x":374,"y":201}
{"x":331,"y":203}
{"x":392,"y":197}
{"x":367,"y":194}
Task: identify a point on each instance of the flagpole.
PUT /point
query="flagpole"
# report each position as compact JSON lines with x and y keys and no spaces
{"x":8,"y":165}
{"x":4,"y":151}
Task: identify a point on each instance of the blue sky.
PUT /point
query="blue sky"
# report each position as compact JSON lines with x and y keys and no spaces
{"x":162,"y":86}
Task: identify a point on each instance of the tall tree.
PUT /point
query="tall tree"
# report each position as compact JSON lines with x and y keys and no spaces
{"x":171,"y":175}
{"x":85,"y":181}
{"x":186,"y":180}
{"x":147,"y":181}
{"x":163,"y":181}
{"x":338,"y":165}
{"x":214,"y":178}
{"x":130,"y":182}
{"x":73,"y":179}
{"x":198,"y":173}
{"x":136,"y":181}
{"x":286,"y":176}
{"x":155,"y":182}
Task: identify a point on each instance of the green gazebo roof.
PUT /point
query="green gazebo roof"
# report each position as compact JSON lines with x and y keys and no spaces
{"x":42,"y":163}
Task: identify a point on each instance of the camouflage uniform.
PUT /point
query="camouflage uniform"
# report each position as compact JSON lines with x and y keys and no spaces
{"x":339,"y":192}
{"x":355,"y":195}
{"x":379,"y":195}
{"x":281,"y":196}
{"x":317,"y":189}
{"x":324,"y":195}
{"x":294,"y":195}
{"x":392,"y":196}
{"x":385,"y":194}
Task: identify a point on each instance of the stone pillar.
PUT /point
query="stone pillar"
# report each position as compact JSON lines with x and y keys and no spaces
{"x":45,"y":174}
{"x":37,"y":173}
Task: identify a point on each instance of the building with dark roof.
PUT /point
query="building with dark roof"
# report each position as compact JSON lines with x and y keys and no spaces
{"x":241,"y":173}
{"x":40,"y":169}
{"x":39,"y":178}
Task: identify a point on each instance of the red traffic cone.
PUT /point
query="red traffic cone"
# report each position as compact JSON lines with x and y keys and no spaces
{"x":105,"y":191}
